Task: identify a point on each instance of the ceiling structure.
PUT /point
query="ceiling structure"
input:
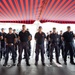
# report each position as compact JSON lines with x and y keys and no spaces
{"x":28,"y":11}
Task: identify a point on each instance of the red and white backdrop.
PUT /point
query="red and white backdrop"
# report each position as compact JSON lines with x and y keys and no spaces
{"x":28,"y":11}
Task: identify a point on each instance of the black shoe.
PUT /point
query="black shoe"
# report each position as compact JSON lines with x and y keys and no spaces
{"x":51,"y":63}
{"x":4,"y":64}
{"x":65,"y":63}
{"x":13,"y":64}
{"x":36,"y":63}
{"x":72,"y":63}
{"x":43,"y":64}
{"x":58,"y":62}
{"x":18,"y":64}
{"x":27,"y":64}
{"x":23,"y":58}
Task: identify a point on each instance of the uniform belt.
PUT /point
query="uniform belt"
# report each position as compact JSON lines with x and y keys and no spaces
{"x":11,"y":44}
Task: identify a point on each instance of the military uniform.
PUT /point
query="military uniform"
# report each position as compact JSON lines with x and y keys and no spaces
{"x":48,"y":46}
{"x":0,"y":47}
{"x":16,"y":44}
{"x":23,"y":45}
{"x":3,"y":45}
{"x":68,"y":39}
{"x":61,"y":45}
{"x":40,"y":37}
{"x":10,"y":47}
{"x":54,"y":44}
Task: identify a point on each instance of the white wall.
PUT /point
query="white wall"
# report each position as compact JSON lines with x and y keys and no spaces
{"x":33,"y":27}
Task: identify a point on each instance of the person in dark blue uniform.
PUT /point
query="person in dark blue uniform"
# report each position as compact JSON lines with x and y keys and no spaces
{"x":40,"y":37}
{"x":61,"y":44}
{"x":3,"y":46}
{"x":68,"y":39}
{"x":54,"y":44}
{"x":29,"y":44}
{"x":1,"y":37}
{"x":48,"y":45}
{"x":24,"y":36}
{"x":16,"y":44}
{"x":10,"y":40}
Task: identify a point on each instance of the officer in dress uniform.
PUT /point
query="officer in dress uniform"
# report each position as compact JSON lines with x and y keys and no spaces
{"x":24,"y":36}
{"x":40,"y":37}
{"x":68,"y":39}
{"x":10,"y":40}
{"x":54,"y":44}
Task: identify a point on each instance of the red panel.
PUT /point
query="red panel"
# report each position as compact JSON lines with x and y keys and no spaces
{"x":31,"y":5}
{"x":5,"y":2}
{"x":57,"y":9}
{"x":12,"y":5}
{"x":48,"y":9}
{"x":7,"y":13}
{"x":44,"y":8}
{"x":35,"y":8}
{"x":26,"y":2}
{"x":23,"y":11}
{"x":67,"y":8}
{"x":18,"y":8}
{"x":62,"y":9}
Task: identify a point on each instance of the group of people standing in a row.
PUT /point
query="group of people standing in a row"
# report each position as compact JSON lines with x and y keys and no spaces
{"x":11,"y":42}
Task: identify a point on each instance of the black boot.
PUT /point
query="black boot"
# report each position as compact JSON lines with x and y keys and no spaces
{"x":36,"y":63}
{"x":43,"y":63}
{"x":19,"y":64}
{"x":58,"y":62}
{"x":65,"y":63}
{"x":27,"y":64}
{"x":5,"y":64}
{"x":72,"y":63}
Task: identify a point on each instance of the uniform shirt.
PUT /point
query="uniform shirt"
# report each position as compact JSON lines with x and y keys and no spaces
{"x":48,"y":38}
{"x":3,"y":41}
{"x":10,"y":38}
{"x":0,"y":35}
{"x":68,"y":36}
{"x":4,"y":35}
{"x":40,"y":37}
{"x":24,"y":36}
{"x":54,"y":38}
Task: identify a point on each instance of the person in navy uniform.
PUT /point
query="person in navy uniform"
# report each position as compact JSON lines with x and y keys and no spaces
{"x":68,"y":39}
{"x":61,"y":44}
{"x":10,"y":40}
{"x":16,"y":44}
{"x":40,"y":37}
{"x":48,"y":44}
{"x":29,"y":44}
{"x":3,"y":46}
{"x":1,"y":37}
{"x":54,"y":44}
{"x":24,"y":37}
